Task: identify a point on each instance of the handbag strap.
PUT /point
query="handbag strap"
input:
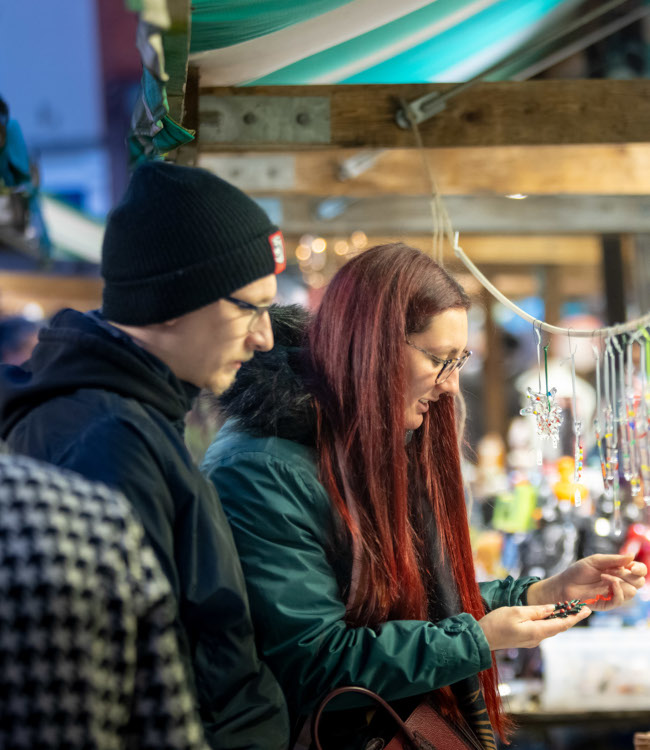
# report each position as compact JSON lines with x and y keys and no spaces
{"x":315,"y":723}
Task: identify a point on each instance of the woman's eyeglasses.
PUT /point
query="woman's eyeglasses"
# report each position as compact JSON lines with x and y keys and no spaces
{"x":446,"y":366}
{"x":257,"y":310}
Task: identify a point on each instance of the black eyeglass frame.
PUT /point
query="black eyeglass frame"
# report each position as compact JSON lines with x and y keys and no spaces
{"x":457,"y":363}
{"x":257,"y":310}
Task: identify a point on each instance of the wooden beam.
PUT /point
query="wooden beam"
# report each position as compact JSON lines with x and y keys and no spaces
{"x":560,"y":250}
{"x":584,"y":169}
{"x":613,"y":279}
{"x":515,"y":252}
{"x":552,"y":294}
{"x":187,"y":154}
{"x":176,"y":44}
{"x":39,"y":286}
{"x":488,"y":114}
{"x":574,"y":281}
{"x":579,"y":282}
{"x":494,"y":403}
{"x":637,"y":257}
{"x":403,"y":216}
{"x":51,"y":292}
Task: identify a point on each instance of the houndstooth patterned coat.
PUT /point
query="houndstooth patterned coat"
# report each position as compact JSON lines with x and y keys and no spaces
{"x":88,"y":654}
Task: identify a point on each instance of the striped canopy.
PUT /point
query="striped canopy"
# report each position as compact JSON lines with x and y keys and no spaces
{"x":284,"y":42}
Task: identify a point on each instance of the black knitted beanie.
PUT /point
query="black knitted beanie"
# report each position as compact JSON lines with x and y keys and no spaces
{"x":180,"y":239}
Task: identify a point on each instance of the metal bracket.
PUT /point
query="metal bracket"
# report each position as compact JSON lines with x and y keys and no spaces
{"x":253,"y":172}
{"x":358,"y":163}
{"x":420,"y":109}
{"x":243,"y":120}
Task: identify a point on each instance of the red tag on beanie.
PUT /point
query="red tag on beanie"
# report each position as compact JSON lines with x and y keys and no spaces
{"x":276,"y":240}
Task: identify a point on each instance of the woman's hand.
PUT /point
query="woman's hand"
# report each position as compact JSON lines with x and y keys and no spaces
{"x":615,"y":576}
{"x":525,"y":627}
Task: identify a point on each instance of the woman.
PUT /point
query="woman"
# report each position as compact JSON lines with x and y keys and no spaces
{"x":339,"y":471}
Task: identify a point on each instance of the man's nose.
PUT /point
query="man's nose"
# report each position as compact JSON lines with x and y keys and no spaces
{"x":261,"y":339}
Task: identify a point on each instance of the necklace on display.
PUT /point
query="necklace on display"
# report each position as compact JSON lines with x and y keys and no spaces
{"x":577,"y":434}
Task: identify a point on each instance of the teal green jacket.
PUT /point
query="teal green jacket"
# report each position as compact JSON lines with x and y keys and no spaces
{"x":297,"y":579}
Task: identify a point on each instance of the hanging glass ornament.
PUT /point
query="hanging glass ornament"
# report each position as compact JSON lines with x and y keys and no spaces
{"x":542,"y":405}
{"x":621,"y":420}
{"x":597,"y":427}
{"x":577,"y":436}
{"x":643,"y":421}
{"x":608,"y":414}
{"x":630,"y":421}
{"x":548,"y":415}
{"x":540,"y":456}
{"x":613,"y":440}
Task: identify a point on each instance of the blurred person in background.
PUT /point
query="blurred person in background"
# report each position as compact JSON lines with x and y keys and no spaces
{"x":14,"y":157}
{"x":19,"y":180}
{"x":18,"y":337}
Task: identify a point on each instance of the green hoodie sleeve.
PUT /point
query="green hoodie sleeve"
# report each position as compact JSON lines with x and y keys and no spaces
{"x":280,"y":515}
{"x":509,"y":592}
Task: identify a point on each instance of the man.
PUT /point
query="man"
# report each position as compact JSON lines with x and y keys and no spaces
{"x":88,"y":653}
{"x":18,"y":180}
{"x":14,"y":157}
{"x":189,"y":266}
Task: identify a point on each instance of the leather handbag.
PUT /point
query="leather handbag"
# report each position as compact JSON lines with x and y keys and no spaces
{"x":424,"y":729}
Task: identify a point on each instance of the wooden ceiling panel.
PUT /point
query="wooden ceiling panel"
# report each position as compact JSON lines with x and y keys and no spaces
{"x":603,"y":169}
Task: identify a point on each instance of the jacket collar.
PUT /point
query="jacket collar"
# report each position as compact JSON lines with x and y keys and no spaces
{"x":269,"y":396}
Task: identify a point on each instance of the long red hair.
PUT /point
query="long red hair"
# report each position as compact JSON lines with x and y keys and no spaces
{"x":356,"y":342}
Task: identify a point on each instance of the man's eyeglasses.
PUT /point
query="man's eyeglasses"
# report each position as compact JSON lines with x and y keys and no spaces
{"x":446,"y":366}
{"x":257,"y":310}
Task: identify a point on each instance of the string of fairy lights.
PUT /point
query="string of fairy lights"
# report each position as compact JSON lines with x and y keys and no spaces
{"x":318,"y":264}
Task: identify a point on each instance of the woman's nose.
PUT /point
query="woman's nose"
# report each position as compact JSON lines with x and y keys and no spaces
{"x":451,"y":385}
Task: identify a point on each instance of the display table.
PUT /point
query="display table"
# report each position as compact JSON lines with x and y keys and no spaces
{"x":617,"y":717}
{"x":578,"y":730}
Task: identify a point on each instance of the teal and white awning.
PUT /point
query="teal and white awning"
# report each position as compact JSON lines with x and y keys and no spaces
{"x":279,"y":42}
{"x":71,"y":231}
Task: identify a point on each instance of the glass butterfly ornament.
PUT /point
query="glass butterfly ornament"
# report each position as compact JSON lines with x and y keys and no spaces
{"x":542,"y":406}
{"x":548,"y":415}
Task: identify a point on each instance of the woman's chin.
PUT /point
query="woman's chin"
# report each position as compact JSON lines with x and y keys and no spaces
{"x":413,"y":421}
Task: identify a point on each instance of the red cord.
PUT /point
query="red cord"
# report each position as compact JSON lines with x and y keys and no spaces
{"x":599,"y":598}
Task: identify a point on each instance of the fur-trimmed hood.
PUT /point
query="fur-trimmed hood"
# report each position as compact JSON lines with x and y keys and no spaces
{"x":270,"y":396}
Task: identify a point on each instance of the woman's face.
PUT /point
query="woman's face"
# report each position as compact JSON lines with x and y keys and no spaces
{"x":446,"y":338}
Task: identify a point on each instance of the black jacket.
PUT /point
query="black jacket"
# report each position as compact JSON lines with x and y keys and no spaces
{"x":93,"y":401}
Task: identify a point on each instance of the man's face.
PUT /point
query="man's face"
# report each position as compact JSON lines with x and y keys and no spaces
{"x":215,"y":340}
